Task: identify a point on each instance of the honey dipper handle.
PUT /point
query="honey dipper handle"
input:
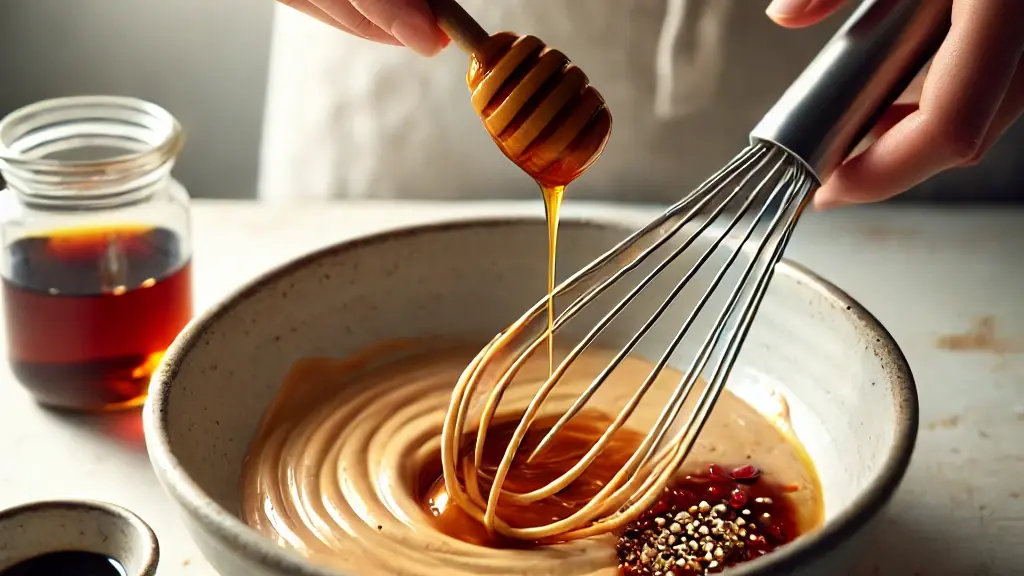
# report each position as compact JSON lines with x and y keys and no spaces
{"x":461,"y":27}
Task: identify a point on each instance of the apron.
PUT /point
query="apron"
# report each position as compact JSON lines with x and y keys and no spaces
{"x":685,"y":81}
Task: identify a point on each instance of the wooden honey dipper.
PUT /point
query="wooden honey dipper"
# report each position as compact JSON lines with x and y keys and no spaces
{"x":538,"y":107}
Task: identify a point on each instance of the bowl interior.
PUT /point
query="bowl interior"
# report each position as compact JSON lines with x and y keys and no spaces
{"x":842,"y":378}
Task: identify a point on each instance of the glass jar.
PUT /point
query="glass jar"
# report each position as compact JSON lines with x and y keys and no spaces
{"x":96,"y":248}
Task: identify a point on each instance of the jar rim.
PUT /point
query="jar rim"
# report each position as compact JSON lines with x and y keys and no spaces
{"x":117,"y":149}
{"x":168,"y":142}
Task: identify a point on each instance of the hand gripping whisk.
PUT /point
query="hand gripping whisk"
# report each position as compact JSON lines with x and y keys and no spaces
{"x":727,"y":235}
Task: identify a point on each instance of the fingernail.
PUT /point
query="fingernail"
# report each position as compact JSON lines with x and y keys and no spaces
{"x":418,"y":35}
{"x":788,"y":8}
{"x":827,"y":202}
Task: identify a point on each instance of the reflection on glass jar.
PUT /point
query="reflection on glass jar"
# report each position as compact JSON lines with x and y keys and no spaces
{"x":96,"y":248}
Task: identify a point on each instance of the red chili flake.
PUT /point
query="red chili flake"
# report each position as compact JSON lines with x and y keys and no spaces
{"x":746,"y":473}
{"x":738,"y":498}
{"x":776,"y":531}
{"x":718,"y":472}
{"x":716,"y":492}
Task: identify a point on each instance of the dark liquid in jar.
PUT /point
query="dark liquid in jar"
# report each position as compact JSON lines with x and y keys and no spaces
{"x":67,"y":563}
{"x":89,"y":312}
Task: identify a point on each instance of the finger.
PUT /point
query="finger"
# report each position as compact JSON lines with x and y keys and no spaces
{"x":1009,"y":112}
{"x":913,"y":92}
{"x":906,"y":104}
{"x":308,"y":8}
{"x":410,"y":21}
{"x":968,"y":78}
{"x":802,"y":13}
{"x":349,"y":19}
{"x":891,"y":117}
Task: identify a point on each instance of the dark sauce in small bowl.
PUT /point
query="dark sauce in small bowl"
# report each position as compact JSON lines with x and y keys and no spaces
{"x":67,"y":563}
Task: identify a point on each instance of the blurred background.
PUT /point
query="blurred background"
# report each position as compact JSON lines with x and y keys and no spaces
{"x":207,"y":61}
{"x":203,"y":60}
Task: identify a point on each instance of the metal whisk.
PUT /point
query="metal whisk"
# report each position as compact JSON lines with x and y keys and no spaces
{"x":740,"y":219}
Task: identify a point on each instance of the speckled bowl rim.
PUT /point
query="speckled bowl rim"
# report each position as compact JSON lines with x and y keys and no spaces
{"x":240,"y":537}
{"x":150,"y":557}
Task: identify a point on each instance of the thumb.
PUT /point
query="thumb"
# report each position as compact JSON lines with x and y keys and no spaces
{"x":801,"y":13}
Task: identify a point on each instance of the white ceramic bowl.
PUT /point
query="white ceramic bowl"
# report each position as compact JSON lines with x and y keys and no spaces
{"x":851,"y":394}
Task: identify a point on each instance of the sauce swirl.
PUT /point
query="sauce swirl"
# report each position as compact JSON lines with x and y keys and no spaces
{"x":340,"y":467}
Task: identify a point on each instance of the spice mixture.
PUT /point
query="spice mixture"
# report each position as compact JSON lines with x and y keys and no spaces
{"x":707,"y":522}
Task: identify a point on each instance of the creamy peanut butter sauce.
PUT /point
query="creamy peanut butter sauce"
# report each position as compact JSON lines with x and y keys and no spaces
{"x":336,"y":468}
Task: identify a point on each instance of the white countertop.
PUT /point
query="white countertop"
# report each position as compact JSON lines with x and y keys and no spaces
{"x":930,"y":275}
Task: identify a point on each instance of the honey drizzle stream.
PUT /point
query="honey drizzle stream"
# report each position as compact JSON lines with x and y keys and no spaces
{"x":552,"y":204}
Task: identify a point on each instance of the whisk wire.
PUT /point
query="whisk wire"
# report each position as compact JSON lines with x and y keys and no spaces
{"x":651,"y":488}
{"x":530,"y":414}
{"x":721,"y":374}
{"x":675,"y":404}
{"x":737,"y":166}
{"x":696,"y":368}
{"x":656,"y":434}
{"x":758,"y":169}
{"x":585,"y":396}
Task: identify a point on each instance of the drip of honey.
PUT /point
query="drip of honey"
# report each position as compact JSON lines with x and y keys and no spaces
{"x":546,"y":118}
{"x":552,"y":205}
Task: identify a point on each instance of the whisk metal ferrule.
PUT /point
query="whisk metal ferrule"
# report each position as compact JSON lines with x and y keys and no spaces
{"x":864,"y":68}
